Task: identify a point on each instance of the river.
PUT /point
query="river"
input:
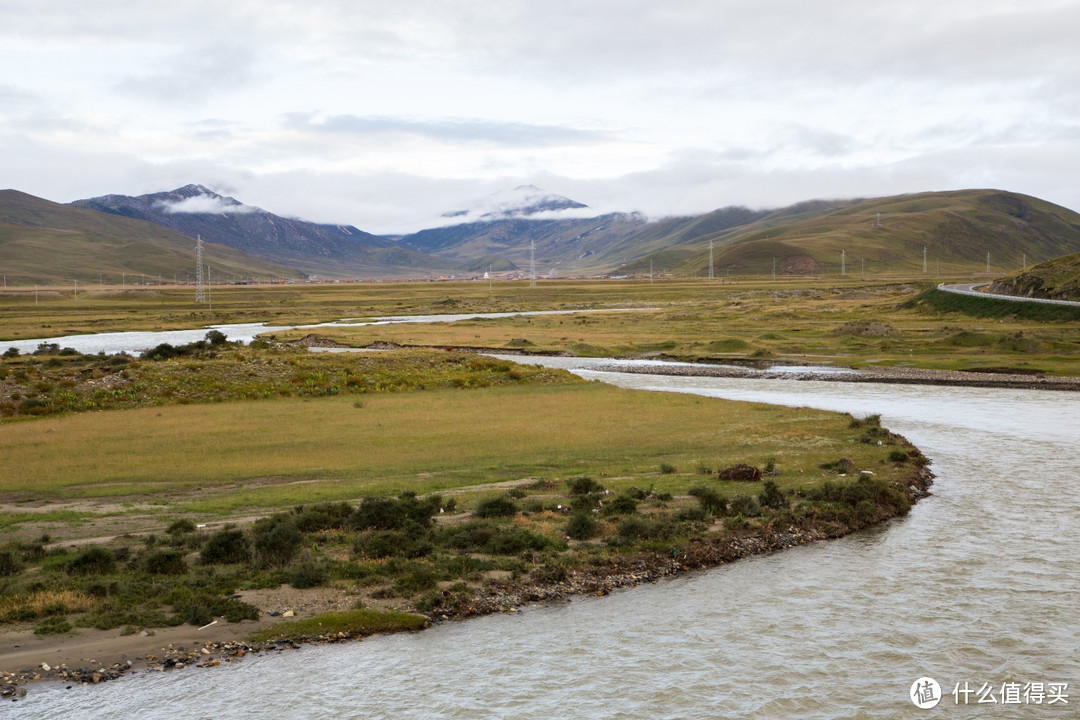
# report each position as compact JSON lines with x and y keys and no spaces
{"x":976,"y":588}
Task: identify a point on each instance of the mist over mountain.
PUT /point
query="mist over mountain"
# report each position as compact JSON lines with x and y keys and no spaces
{"x":317,"y":249}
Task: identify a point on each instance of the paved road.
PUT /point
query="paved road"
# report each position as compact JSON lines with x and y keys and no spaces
{"x":969,"y":289}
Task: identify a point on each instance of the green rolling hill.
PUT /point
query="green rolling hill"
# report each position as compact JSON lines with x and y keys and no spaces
{"x":956,"y":229}
{"x":43,"y":243}
{"x":1057,"y":279}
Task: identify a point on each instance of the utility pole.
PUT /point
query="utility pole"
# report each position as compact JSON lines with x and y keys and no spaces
{"x":76,"y":289}
{"x":987,"y":262}
{"x":711,"y":276}
{"x":924,"y":259}
{"x":532,"y":262}
{"x":1025,"y":262}
{"x":843,"y":262}
{"x":200,"y":292}
{"x":774,"y":269}
{"x":650,"y":272}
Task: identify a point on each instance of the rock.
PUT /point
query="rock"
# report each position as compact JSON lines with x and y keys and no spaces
{"x":287,"y":613}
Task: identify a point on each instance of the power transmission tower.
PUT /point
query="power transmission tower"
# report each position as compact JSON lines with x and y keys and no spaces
{"x":200,"y":291}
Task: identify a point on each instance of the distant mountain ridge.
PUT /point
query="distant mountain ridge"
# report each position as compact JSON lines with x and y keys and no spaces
{"x":328,"y":250}
{"x":956,"y":231}
{"x":42,"y":242}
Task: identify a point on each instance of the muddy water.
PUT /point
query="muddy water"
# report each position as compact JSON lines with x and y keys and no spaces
{"x":977,"y":585}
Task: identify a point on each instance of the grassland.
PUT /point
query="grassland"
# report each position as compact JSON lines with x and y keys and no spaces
{"x":844,"y":321}
{"x":123,"y":517}
{"x":433,"y":480}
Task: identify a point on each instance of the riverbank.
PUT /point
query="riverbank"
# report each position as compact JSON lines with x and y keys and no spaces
{"x":95,"y":656}
{"x":885,"y":375}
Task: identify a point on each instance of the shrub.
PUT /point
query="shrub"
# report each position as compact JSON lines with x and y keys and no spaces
{"x":841,"y":466}
{"x":92,"y":561}
{"x":771,"y":496}
{"x":9,"y":563}
{"x":501,"y":506}
{"x":745,"y":505}
{"x":53,"y":626}
{"x":323,"y":516}
{"x":582,"y":526}
{"x":307,"y":575}
{"x":165,"y":562}
{"x":898,"y":456}
{"x":709,"y":500}
{"x":584,"y":485}
{"x":276,"y":540}
{"x":642,"y":528}
{"x":622,"y":504}
{"x":692,"y":514}
{"x":380,"y":513}
{"x":668,"y":468}
{"x":225,"y":547}
{"x":181,"y":526}
{"x":412,"y":541}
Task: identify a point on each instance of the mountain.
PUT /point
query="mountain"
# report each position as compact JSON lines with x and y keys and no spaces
{"x":1057,"y":279}
{"x":43,"y":242}
{"x":522,"y":201}
{"x":956,"y":230}
{"x":877,"y":235}
{"x":324,"y":250}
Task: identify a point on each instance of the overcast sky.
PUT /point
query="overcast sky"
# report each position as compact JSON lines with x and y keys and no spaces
{"x":385,"y":115}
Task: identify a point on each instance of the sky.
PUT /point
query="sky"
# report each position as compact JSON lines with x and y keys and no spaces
{"x":387,"y":115}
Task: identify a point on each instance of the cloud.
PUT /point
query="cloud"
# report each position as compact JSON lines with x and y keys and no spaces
{"x":195,"y":74}
{"x":205,"y":204}
{"x":452,"y":130}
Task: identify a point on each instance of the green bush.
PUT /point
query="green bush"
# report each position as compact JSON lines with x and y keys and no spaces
{"x":709,"y":500}
{"x":164,"y":562}
{"x":639,"y":527}
{"x":92,"y":561}
{"x":323,"y":516}
{"x":307,"y":575}
{"x":226,"y":547}
{"x":412,"y":541}
{"x":771,"y":496}
{"x":180,"y":527}
{"x":621,"y":504}
{"x":745,"y":505}
{"x":501,"y":506}
{"x":53,"y":626}
{"x":584,"y":485}
{"x":668,"y":468}
{"x":380,"y":513}
{"x":276,"y":540}
{"x":9,"y":563}
{"x":582,"y":526}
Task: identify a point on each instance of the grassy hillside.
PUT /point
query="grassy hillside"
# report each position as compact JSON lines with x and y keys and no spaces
{"x":43,"y":242}
{"x":957,"y":230}
{"x":1058,"y":279}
